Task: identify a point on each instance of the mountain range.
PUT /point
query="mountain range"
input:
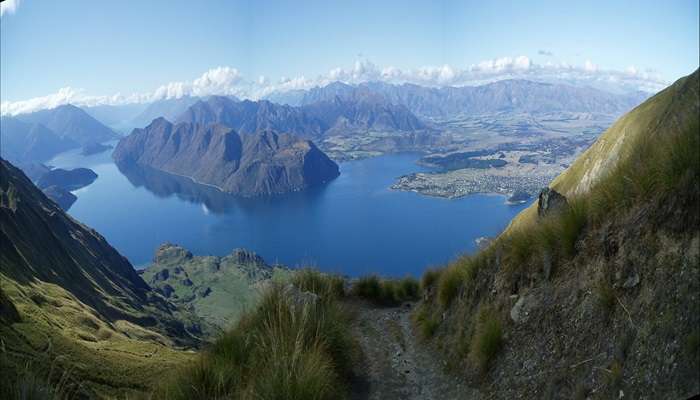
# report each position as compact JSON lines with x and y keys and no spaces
{"x":39,"y":136}
{"x":335,"y":117}
{"x":512,"y":96}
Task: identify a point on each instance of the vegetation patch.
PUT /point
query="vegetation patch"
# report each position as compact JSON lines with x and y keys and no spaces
{"x":488,"y":338}
{"x":294,"y":345}
{"x":386,"y":292}
{"x":426,"y":321}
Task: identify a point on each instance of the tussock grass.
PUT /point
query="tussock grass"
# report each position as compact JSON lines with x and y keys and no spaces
{"x":430,"y":278}
{"x":487,"y":339}
{"x":287,"y":348}
{"x":426,"y":322}
{"x":30,"y":383}
{"x":457,"y":275}
{"x":386,"y":292}
{"x":324,"y":285}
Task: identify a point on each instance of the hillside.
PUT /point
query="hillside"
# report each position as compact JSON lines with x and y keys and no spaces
{"x":218,"y":289}
{"x":262,"y":163}
{"x":591,"y":295}
{"x":72,"y":303}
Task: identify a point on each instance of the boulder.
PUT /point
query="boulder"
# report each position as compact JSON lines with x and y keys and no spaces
{"x":522,"y":308}
{"x":550,"y":201}
{"x":299,"y":298}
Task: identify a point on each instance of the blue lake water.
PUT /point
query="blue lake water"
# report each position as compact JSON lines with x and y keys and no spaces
{"x":354,"y":225}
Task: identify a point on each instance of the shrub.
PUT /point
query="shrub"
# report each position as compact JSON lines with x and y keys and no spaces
{"x":429,"y":278}
{"x":324,"y":285}
{"x":386,"y":292}
{"x":283,"y":349}
{"x":488,"y":338}
{"x":427,"y":323}
{"x":449,"y":284}
{"x":408,"y":289}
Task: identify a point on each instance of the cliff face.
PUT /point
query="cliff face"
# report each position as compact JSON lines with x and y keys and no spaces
{"x":261,"y":163}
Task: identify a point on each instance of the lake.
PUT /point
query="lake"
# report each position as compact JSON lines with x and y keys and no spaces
{"x":354,"y":225}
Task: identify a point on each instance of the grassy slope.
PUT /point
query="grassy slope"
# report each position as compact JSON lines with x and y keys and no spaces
{"x":655,"y":117}
{"x":234,"y":284}
{"x":82,"y":307}
{"x":60,"y":333}
{"x":604,"y":295}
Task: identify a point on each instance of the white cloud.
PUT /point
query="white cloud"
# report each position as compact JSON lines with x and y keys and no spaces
{"x":8,"y":7}
{"x":229,"y":81}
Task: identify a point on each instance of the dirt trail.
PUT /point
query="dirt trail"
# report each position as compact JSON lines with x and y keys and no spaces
{"x":396,"y":366}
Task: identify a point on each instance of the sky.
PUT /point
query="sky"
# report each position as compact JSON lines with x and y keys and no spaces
{"x":97,"y":52}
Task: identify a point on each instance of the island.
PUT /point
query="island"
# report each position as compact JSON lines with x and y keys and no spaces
{"x":248,"y":165}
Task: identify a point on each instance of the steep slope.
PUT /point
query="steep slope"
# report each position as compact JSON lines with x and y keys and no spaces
{"x":666,"y":114}
{"x":592,"y":295}
{"x":23,"y":142}
{"x":262,"y":163}
{"x":69,"y":121}
{"x":218,"y":289}
{"x":79,"y":299}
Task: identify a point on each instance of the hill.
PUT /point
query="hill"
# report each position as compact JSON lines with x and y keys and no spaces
{"x":256,"y":164}
{"x":218,"y":289}
{"x":592,"y":292}
{"x":70,"y":302}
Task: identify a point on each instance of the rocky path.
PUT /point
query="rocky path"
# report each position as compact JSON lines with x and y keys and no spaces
{"x":395,"y":365}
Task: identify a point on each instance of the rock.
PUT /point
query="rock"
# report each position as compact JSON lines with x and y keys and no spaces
{"x":161,"y":275}
{"x":482,"y":242}
{"x":169,"y":253}
{"x":631,"y":281}
{"x":298,"y":298}
{"x":522,"y":309}
{"x":186,"y":282}
{"x":550,"y":201}
{"x":204,"y":292}
{"x":166,"y":290}
{"x":245,"y":257}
